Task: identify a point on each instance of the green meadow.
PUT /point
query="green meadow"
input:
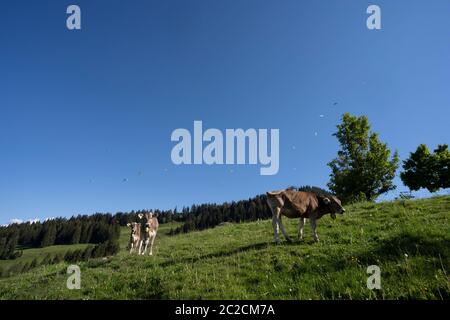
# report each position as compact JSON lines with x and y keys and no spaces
{"x":408,"y":239}
{"x":39,"y":254}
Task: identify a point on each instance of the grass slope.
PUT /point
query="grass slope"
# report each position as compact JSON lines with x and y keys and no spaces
{"x":29,"y":254}
{"x":408,"y":240}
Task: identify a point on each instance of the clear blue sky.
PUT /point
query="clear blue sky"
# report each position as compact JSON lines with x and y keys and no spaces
{"x":83,"y":110}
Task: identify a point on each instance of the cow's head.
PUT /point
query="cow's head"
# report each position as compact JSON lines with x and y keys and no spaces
{"x":150,"y":215}
{"x":335,"y":206}
{"x":275,"y":198}
{"x":134,"y":226}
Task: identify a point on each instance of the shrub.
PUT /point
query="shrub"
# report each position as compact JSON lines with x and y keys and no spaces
{"x":34,"y":263}
{"x":47,"y":259}
{"x":57,"y":258}
{"x":87,"y":253}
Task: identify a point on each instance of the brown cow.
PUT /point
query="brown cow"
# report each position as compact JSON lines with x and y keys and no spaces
{"x":149,"y":235}
{"x":135,"y":236}
{"x":301,"y":204}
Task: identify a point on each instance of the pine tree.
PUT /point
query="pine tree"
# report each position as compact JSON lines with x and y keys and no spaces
{"x":75,"y":239}
{"x":48,"y":234}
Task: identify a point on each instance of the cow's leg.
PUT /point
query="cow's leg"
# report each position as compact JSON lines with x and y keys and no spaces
{"x":275,"y":223}
{"x":146,"y":246}
{"x":283,"y":229}
{"x":301,"y":224}
{"x":312,"y":220}
{"x":151,"y":244}
{"x":140,"y":247}
{"x":131,"y":248}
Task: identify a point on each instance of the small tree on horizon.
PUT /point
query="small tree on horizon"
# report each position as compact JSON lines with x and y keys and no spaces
{"x":424,"y":169}
{"x":364,"y":168}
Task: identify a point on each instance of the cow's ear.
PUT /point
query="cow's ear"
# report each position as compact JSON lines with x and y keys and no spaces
{"x":326,"y":200}
{"x":128,"y":224}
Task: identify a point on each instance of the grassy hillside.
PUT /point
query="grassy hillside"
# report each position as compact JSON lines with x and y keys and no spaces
{"x":408,"y":240}
{"x":30,"y":254}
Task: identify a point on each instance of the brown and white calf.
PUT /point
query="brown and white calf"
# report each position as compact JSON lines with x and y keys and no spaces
{"x":303,"y":205}
{"x":135,"y":236}
{"x":149,"y":235}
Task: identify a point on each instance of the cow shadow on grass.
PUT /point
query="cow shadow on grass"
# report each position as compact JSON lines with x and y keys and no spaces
{"x":227,"y":253}
{"x":407,"y":245}
{"x":392,"y":249}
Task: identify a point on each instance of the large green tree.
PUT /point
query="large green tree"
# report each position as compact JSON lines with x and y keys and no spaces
{"x":364,"y":168}
{"x":424,"y":169}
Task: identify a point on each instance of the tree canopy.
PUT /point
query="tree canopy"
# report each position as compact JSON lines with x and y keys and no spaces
{"x":363,"y":168}
{"x":424,"y":169}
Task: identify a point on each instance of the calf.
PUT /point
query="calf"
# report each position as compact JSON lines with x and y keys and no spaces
{"x":149,"y":235}
{"x":135,"y":237}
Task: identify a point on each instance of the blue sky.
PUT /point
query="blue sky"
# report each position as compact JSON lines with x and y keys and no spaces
{"x":86,"y":116}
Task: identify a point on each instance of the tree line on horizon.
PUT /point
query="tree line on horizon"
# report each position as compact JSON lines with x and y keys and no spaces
{"x":100,"y":228}
{"x":95,"y":229}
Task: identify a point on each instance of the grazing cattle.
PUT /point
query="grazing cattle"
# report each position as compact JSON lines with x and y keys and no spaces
{"x":149,"y":235}
{"x":300,"y":204}
{"x":135,"y":237}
